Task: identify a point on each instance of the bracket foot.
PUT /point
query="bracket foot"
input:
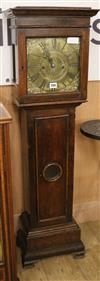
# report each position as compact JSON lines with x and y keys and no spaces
{"x":79,"y":255}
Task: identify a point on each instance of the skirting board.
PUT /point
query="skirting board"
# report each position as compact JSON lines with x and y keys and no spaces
{"x":83,"y":212}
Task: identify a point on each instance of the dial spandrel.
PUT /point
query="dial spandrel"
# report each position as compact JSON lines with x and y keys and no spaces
{"x":53,"y":65}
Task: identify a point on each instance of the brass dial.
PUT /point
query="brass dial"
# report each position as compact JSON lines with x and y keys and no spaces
{"x":53,"y":65}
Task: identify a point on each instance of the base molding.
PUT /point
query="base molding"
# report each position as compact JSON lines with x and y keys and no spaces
{"x":49,"y":241}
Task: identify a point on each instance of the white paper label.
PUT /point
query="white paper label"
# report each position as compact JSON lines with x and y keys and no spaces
{"x":73,"y":40}
{"x":53,"y":85}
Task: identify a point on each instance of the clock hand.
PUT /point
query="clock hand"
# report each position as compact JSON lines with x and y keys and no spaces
{"x":51,"y":61}
{"x":48,"y":56}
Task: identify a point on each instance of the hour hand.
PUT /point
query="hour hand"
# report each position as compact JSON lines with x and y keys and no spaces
{"x":48,"y":56}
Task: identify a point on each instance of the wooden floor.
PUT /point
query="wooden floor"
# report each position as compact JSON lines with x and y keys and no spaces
{"x":66,"y":268}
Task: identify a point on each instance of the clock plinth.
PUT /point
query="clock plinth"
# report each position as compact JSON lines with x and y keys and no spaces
{"x":52,"y":47}
{"x":53,"y":240}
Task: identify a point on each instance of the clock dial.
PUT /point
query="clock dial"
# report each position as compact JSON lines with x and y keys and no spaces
{"x":53,"y":65}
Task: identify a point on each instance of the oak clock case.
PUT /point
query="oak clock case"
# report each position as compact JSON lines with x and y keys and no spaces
{"x":53,"y":66}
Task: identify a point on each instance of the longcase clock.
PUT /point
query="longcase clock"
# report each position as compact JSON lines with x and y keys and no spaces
{"x":50,"y":48}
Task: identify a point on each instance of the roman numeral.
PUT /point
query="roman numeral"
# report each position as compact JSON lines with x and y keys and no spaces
{"x":64,"y":44}
{"x":54,"y":43}
{"x":43,"y":84}
{"x":35,"y":77}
